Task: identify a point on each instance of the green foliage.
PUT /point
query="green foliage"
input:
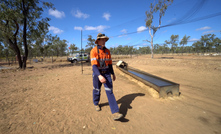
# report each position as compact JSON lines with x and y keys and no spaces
{"x":184,"y":41}
{"x":73,"y":48}
{"x":21,"y":24}
{"x":90,"y":44}
{"x":128,"y":50}
{"x":207,"y":43}
{"x":173,"y":41}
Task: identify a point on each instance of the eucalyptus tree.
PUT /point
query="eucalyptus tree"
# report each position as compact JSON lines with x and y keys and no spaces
{"x":160,"y":7}
{"x":217,"y":44}
{"x":207,"y":42}
{"x":156,"y":48}
{"x":197,"y":46}
{"x":91,"y":42}
{"x":184,"y":41}
{"x":10,"y":25}
{"x":63,"y":47}
{"x":73,"y":48}
{"x":22,"y":16}
{"x":173,"y":41}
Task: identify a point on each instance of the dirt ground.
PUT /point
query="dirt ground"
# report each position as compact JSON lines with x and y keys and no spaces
{"x":58,"y":99}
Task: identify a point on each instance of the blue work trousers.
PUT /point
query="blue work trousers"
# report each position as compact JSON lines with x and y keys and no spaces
{"x":109,"y":91}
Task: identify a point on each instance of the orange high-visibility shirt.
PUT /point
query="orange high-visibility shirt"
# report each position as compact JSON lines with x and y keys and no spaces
{"x":104,"y":55}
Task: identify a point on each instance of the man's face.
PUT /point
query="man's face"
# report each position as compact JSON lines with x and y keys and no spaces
{"x":101,"y":42}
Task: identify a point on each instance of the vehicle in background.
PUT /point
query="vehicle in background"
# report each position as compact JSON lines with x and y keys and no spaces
{"x":79,"y":57}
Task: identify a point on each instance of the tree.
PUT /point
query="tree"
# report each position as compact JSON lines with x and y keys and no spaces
{"x":73,"y":48}
{"x":31,"y":11}
{"x":1,"y":50}
{"x":207,"y":42}
{"x":217,"y":44}
{"x":25,"y":15}
{"x":165,"y":48}
{"x":56,"y":45}
{"x":196,"y":46}
{"x":144,"y":50}
{"x":90,"y":43}
{"x":62,"y":47}
{"x":173,"y":41}
{"x":161,"y":6}
{"x":156,"y":48}
{"x":9,"y":25}
{"x":184,"y":41}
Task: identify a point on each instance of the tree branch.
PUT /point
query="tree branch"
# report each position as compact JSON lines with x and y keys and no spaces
{"x":16,"y":32}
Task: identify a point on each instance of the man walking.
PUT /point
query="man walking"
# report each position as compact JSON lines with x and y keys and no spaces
{"x":102,"y":70}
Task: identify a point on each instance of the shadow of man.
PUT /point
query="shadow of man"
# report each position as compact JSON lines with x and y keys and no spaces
{"x":125,"y":102}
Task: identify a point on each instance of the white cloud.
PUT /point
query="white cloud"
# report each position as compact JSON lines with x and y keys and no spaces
{"x":90,"y":28}
{"x":78,"y":28}
{"x":203,"y":28}
{"x":124,"y":31}
{"x":211,"y":31}
{"x":97,"y":28}
{"x":106,"y":16}
{"x":55,"y":30}
{"x":192,"y":40}
{"x":56,"y":13}
{"x":79,"y":14}
{"x":101,"y":28}
{"x":128,"y":38}
{"x":141,"y":29}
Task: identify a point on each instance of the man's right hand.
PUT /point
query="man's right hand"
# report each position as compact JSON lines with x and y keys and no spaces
{"x":101,"y":79}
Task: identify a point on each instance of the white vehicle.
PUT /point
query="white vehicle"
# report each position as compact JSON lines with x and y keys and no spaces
{"x":79,"y":57}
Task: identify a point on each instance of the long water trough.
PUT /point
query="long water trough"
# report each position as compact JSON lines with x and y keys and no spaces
{"x":162,"y":86}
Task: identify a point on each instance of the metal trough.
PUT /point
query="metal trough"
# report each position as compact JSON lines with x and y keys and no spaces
{"x":162,"y":86}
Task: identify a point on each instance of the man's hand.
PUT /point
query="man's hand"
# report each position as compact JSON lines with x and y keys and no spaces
{"x":101,"y":79}
{"x":114,"y":77}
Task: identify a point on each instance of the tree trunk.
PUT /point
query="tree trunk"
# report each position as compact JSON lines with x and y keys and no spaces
{"x":25,"y":12}
{"x":151,"y":42}
{"x":17,"y":51}
{"x":182,"y":50}
{"x":152,"y":47}
{"x":14,"y":46}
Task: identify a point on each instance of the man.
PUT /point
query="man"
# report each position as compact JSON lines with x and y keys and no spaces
{"x":102,"y":70}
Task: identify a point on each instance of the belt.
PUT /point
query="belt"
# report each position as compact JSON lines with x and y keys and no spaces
{"x":103,"y":72}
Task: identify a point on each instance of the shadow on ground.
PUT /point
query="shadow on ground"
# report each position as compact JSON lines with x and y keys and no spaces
{"x":125,"y":102}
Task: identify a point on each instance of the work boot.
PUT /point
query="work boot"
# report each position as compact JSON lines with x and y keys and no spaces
{"x":117,"y":116}
{"x":97,"y":108}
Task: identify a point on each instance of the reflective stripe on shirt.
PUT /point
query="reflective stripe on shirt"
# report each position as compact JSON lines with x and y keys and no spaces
{"x":93,"y":59}
{"x":101,"y":59}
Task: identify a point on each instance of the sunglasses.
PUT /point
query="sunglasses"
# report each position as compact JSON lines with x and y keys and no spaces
{"x":100,"y":35}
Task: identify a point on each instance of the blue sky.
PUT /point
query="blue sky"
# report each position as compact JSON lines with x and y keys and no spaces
{"x":117,"y":18}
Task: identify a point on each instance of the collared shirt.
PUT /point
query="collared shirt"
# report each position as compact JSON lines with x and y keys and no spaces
{"x":104,"y":55}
